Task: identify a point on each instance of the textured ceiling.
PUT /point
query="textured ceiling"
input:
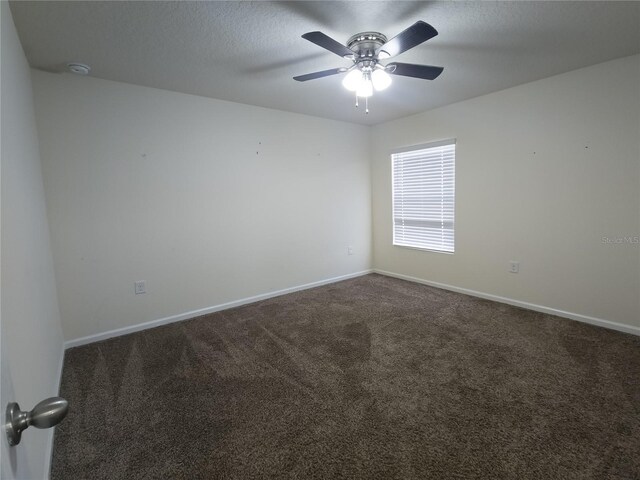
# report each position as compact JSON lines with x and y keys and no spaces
{"x":248,"y":52}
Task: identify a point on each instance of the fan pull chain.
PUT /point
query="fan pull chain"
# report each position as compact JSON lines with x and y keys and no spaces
{"x":366,"y":104}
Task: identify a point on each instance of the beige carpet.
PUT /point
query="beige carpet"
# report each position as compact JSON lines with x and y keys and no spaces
{"x":371,"y":378}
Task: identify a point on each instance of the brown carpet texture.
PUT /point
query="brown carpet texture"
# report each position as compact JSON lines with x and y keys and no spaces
{"x":369,"y":378}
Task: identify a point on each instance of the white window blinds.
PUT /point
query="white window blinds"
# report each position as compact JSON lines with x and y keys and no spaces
{"x":424,"y":196}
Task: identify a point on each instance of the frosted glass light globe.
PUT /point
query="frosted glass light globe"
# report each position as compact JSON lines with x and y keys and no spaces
{"x":352,"y":80}
{"x":365,"y":89}
{"x":380,"y":79}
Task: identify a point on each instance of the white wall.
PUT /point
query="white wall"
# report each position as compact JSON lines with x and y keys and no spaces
{"x":31,"y":333}
{"x":544,"y":171}
{"x":208,"y":201}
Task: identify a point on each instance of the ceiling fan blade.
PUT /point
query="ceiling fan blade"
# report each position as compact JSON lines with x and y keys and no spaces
{"x":323,"y":73}
{"x":426,"y":72}
{"x":327,"y":43}
{"x":414,"y":35}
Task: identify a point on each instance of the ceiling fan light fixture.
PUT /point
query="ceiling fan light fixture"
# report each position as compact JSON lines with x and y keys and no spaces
{"x":365,"y":50}
{"x":365,"y":89}
{"x":352,"y":80}
{"x":380,"y":80}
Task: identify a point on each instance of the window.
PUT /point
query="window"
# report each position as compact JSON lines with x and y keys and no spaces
{"x":424,"y":196}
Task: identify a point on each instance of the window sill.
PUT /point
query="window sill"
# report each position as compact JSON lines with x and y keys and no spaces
{"x":423,"y":249}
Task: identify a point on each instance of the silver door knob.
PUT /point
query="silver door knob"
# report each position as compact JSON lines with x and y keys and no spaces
{"x":46,"y":414}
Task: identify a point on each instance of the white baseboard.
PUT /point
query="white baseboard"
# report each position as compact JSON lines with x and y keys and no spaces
{"x":517,"y":303}
{"x":76,"y":342}
{"x":49,"y":450}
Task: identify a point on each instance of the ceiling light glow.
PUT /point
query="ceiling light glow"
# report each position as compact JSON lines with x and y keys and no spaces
{"x":365,"y":89}
{"x":352,"y":80}
{"x":380,"y":79}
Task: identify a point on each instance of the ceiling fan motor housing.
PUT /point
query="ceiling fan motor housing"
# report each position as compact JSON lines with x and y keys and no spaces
{"x":364,"y":46}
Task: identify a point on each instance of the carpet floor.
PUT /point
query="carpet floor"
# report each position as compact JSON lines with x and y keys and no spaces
{"x":370,"y":378}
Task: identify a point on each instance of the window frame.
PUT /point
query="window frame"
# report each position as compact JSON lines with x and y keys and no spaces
{"x":411,"y":148}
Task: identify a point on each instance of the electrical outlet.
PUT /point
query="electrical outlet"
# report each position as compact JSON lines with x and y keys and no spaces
{"x":349,"y":250}
{"x":140,"y":287}
{"x":514,"y":267}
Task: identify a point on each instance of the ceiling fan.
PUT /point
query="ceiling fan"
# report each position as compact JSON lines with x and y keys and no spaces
{"x":366,"y":49}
